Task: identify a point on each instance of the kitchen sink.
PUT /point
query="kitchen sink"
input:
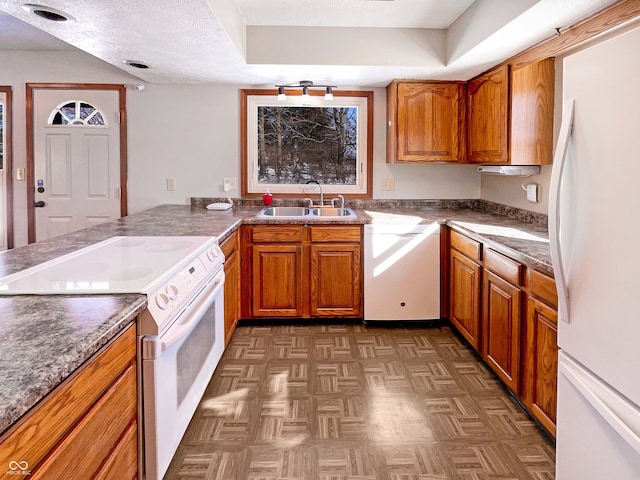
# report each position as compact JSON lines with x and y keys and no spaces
{"x":284,"y":212}
{"x":332,"y":212}
{"x":304,"y":212}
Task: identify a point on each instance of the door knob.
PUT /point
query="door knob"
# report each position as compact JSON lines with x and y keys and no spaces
{"x":39,"y":204}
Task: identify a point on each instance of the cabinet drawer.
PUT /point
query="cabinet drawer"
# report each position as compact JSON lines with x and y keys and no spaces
{"x":51,"y":420}
{"x":230,"y":244}
{"x":123,"y":461}
{"x":508,"y":269}
{"x":465,"y":245}
{"x":277,"y":233}
{"x":89,"y":444}
{"x":543,"y":287}
{"x":335,"y":234}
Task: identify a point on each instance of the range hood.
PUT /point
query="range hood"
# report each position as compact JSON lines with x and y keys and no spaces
{"x":513,"y":170}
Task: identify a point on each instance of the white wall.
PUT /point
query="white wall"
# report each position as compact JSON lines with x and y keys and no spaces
{"x":191,"y":133}
{"x":508,"y":190}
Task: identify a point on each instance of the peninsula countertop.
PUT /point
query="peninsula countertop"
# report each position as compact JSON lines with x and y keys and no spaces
{"x":44,"y":339}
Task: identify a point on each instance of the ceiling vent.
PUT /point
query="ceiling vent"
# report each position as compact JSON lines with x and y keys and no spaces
{"x":48,"y":13}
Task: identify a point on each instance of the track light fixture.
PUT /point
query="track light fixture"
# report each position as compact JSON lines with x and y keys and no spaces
{"x":305,"y":85}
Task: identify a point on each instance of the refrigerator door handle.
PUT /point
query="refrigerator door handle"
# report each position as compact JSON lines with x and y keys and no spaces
{"x":613,"y":409}
{"x":559,"y":161}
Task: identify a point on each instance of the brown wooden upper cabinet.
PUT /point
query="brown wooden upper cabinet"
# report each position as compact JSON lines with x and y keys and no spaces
{"x":425,"y":121}
{"x":504,"y":116}
{"x":487,"y":125}
{"x":510,"y":115}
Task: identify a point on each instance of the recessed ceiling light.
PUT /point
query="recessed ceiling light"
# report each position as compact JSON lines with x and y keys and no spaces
{"x":48,"y":13}
{"x":136,"y":64}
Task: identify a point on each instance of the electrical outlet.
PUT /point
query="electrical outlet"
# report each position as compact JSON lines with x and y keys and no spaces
{"x":533,"y":192}
{"x":229,"y":183}
{"x":388,"y":184}
{"x":171,"y":184}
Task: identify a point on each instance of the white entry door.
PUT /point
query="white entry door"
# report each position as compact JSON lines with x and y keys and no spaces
{"x":3,"y":174}
{"x":76,"y":159}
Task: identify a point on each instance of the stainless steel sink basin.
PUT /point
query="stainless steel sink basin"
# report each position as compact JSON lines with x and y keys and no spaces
{"x":304,"y":212}
{"x":332,"y":212}
{"x":284,"y":212}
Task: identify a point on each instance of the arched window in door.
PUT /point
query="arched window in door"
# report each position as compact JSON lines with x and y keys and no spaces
{"x":77,"y":113}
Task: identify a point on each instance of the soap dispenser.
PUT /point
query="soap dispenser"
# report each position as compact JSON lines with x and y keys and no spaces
{"x":267,"y":199}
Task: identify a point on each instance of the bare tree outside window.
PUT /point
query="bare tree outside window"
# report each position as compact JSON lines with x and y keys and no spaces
{"x":296,"y":144}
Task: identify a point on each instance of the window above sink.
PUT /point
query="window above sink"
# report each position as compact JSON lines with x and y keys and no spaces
{"x":280,"y":152}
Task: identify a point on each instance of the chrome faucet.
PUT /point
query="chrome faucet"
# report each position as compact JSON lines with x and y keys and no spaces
{"x":340,"y":199}
{"x":320,"y":187}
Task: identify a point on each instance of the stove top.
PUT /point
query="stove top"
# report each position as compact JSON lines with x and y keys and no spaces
{"x":117,"y":265}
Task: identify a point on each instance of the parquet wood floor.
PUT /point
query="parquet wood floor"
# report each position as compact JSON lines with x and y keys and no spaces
{"x":355,"y":402}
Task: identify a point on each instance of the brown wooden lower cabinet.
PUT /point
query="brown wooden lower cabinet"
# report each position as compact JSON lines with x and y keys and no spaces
{"x":87,"y":427}
{"x":464,"y":297}
{"x":277,"y":280}
{"x":540,"y":361}
{"x":517,"y":334}
{"x":302,"y":271}
{"x":335,"y":280}
{"x":501,"y":328}
{"x":231,"y":250}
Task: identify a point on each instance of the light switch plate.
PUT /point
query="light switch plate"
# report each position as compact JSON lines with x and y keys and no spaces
{"x":388,"y":184}
{"x":171,"y":185}
{"x":229,"y":183}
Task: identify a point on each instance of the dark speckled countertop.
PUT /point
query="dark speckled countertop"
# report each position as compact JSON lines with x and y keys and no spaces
{"x":43,"y":339}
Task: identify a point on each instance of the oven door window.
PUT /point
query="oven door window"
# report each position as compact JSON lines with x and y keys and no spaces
{"x":193,"y":353}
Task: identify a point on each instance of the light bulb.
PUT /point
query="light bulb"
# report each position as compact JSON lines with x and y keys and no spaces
{"x":329,"y":94}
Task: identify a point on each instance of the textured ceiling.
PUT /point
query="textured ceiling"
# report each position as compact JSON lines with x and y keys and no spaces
{"x":358,"y":43}
{"x":18,"y":35}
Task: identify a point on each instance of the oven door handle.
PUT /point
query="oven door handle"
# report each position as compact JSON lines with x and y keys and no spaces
{"x":195,"y":311}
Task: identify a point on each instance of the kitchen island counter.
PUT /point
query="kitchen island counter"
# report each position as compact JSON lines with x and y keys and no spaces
{"x":44,"y":339}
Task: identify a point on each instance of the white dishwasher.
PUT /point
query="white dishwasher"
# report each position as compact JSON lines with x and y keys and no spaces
{"x":401,"y":272}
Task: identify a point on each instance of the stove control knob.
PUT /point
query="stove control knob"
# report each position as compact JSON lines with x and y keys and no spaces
{"x":212,"y":254}
{"x":162,"y":300}
{"x":172,"y":291}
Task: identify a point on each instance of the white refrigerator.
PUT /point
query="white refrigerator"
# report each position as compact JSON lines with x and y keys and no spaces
{"x":594,"y":223}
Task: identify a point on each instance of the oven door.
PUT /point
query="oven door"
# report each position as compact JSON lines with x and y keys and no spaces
{"x":176,"y":369}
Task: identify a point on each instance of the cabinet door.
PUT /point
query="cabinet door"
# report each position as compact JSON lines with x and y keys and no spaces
{"x":541,"y":363}
{"x":336,"y":280}
{"x":430,"y":120}
{"x":487,"y":127}
{"x":532,"y":91}
{"x":464,"y":307}
{"x":277,"y":280}
{"x":231,"y":294}
{"x":501,"y":329}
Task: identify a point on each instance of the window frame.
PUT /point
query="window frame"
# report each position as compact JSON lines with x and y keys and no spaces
{"x":252,"y":98}
{"x":82,"y":122}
